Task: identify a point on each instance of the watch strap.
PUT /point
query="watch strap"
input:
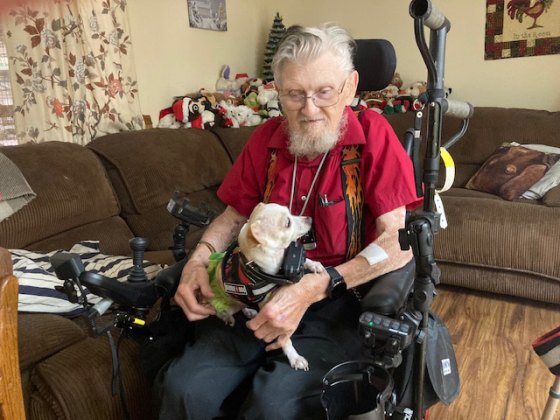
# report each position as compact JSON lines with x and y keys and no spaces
{"x":337,"y":285}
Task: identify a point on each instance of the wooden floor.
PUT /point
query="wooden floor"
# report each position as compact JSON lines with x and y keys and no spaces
{"x":501,"y":376}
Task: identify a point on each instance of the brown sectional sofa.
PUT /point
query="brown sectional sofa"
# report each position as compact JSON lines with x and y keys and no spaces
{"x":111,"y":191}
{"x":119,"y":185}
{"x":492,"y":244}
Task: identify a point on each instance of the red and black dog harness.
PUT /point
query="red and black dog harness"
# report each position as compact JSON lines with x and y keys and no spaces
{"x":245,"y":281}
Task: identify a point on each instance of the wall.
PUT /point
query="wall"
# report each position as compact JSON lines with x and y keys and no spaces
{"x":173,"y":59}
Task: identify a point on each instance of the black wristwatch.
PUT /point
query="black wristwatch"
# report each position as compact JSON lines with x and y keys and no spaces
{"x":337,"y":285}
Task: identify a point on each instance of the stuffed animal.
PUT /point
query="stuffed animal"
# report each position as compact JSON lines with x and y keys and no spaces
{"x":251,"y":101}
{"x":273,"y":108}
{"x":208,"y":119}
{"x":266,"y":93}
{"x":192,"y":112}
{"x":397,"y":81}
{"x":167,"y":119}
{"x":225,"y":84}
{"x":245,"y":116}
{"x":251,"y":85}
{"x":390,"y":92}
{"x":211,"y":102}
{"x":416,"y":89}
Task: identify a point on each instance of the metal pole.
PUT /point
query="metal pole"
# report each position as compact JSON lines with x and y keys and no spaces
{"x":553,"y":400}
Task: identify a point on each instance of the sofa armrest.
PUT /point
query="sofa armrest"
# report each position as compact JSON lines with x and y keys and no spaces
{"x":552,"y":197}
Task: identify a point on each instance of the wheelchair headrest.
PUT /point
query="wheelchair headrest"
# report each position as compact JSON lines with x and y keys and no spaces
{"x":376,"y":61}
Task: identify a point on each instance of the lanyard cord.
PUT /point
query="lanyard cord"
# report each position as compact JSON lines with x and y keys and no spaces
{"x":310,"y":188}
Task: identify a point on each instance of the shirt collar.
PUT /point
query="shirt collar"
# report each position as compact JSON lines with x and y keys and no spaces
{"x":353,"y":133}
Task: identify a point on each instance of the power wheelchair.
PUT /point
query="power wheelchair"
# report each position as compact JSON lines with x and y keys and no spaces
{"x":403,"y":337}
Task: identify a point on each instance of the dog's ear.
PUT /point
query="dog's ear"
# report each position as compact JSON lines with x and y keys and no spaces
{"x":259,"y":230}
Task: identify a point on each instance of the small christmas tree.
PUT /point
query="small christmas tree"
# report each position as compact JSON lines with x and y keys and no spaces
{"x":276,"y":33}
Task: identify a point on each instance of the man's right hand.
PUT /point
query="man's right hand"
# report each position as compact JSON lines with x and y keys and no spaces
{"x":194,"y":292}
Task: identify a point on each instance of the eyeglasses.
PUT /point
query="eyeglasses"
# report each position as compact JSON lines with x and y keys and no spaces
{"x":294,"y":100}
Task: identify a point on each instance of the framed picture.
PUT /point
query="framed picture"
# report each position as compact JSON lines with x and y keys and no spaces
{"x":521,"y":28}
{"x":208,"y":14}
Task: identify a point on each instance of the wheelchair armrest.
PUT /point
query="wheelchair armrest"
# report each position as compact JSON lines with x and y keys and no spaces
{"x":167,"y":279}
{"x":388,"y":293}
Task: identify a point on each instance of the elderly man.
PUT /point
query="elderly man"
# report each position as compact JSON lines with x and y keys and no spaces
{"x":300,"y":161}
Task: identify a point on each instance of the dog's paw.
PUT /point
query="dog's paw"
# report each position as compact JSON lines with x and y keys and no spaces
{"x":249,"y":312}
{"x":228,"y":318}
{"x":299,"y":363}
{"x":314,"y":266}
{"x":296,"y":361}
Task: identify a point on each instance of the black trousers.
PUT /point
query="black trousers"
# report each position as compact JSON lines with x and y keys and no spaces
{"x":207,"y":380}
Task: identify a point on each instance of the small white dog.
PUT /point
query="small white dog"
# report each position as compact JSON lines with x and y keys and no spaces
{"x":262,"y":240}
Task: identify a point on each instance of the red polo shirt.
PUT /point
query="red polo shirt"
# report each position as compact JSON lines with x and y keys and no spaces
{"x":386,"y":176}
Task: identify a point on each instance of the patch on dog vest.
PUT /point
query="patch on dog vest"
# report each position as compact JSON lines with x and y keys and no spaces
{"x":239,"y":284}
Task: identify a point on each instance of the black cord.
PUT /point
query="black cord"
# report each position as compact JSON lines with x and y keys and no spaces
{"x":116,"y":372}
{"x":121,"y":384}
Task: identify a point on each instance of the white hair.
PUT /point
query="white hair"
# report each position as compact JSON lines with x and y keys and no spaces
{"x":306,"y":43}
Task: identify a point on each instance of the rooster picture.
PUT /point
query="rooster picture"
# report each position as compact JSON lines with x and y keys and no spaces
{"x":533,"y":8}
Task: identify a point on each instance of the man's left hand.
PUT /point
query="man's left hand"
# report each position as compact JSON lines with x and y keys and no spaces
{"x":280,"y":316}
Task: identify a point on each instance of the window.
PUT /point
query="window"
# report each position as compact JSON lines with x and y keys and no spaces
{"x":7,"y":126}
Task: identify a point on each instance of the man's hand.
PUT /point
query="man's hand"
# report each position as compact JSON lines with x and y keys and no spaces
{"x":193,"y":289}
{"x":280,"y":316}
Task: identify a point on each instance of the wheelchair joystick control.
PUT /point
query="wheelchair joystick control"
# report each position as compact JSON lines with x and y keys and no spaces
{"x":137,"y":274}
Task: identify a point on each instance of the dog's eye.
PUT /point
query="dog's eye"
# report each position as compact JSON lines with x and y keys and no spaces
{"x":288,"y":222}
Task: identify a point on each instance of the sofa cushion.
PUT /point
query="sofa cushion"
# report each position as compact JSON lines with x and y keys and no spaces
{"x":519,"y":236}
{"x":158,"y":224}
{"x":147,"y":166}
{"x":233,"y":139}
{"x":112,"y":233}
{"x":41,"y":335}
{"x":66,"y":386}
{"x":552,"y":197}
{"x":72,"y":190}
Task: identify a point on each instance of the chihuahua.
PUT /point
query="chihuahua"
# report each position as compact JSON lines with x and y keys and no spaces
{"x":262,"y":240}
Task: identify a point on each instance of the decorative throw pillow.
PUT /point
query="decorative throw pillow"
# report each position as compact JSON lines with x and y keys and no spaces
{"x":511,"y":170}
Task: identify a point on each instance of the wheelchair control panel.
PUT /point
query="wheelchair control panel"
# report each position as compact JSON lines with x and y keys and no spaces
{"x":383,"y":328}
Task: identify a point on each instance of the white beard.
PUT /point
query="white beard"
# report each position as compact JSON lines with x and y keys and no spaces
{"x":304,"y":144}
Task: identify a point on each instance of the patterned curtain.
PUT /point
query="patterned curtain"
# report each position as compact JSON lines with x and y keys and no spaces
{"x":73,"y":77}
